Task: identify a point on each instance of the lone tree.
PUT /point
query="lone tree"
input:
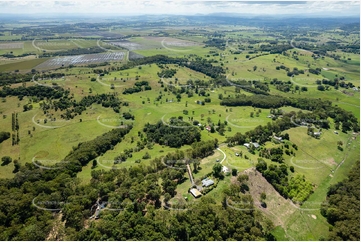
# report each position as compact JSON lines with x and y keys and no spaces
{"x":7,"y":160}
{"x":234,"y":172}
{"x":217,"y":168}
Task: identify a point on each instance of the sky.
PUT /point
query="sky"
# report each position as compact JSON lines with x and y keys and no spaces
{"x":188,"y":7}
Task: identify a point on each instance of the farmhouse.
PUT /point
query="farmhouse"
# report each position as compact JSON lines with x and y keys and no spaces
{"x":317,"y":134}
{"x":278,"y":138}
{"x":248,"y":145}
{"x":225,"y":169}
{"x":207,"y":182}
{"x":195,"y":192}
{"x":208,"y":128}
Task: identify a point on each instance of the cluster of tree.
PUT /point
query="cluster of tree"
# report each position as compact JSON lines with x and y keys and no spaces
{"x":138,"y":87}
{"x":4,"y":136}
{"x":250,"y":86}
{"x":215,"y":42}
{"x":305,"y":39}
{"x":77,"y":51}
{"x":262,"y":86}
{"x":41,"y":92}
{"x":175,"y":134}
{"x":123,"y":156}
{"x":198,"y":64}
{"x":49,"y":75}
{"x":296,"y":188}
{"x":257,"y":100}
{"x":198,"y":150}
{"x":158,"y":59}
{"x":11,"y":55}
{"x":10,"y":78}
{"x":274,"y":154}
{"x":342,"y":207}
{"x":167,"y":73}
{"x":89,"y":150}
{"x":255,"y":90}
{"x":295,"y":70}
{"x":198,"y":83}
{"x":316,"y":71}
{"x":323,"y":108}
{"x":73,"y":107}
{"x":275,"y":49}
{"x":98,"y":64}
{"x":262,"y":134}
{"x":203,"y":149}
{"x":15,"y":128}
{"x":6,"y":160}
{"x":330,"y":46}
{"x":204,"y":66}
{"x":282,"y":86}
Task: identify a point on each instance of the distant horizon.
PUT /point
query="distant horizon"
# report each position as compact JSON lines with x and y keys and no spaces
{"x":183,"y":7}
{"x":218,"y":14}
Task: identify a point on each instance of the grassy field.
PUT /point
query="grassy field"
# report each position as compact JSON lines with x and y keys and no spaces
{"x":26,"y":65}
{"x":318,"y":160}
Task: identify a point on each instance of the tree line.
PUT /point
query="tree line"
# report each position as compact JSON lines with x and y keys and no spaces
{"x":77,"y":51}
{"x":323,"y":108}
{"x":342,"y":207}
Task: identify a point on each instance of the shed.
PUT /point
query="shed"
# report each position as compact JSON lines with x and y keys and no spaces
{"x":278,"y":138}
{"x":317,"y":134}
{"x":195,"y":192}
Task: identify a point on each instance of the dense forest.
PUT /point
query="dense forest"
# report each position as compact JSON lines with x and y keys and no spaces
{"x":41,"y":92}
{"x":342,"y":207}
{"x":296,"y":188}
{"x":133,"y":198}
{"x":175,"y":134}
{"x":16,"y":77}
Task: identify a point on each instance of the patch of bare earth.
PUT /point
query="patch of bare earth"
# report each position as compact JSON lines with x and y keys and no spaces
{"x":278,"y":209}
{"x":57,"y":233}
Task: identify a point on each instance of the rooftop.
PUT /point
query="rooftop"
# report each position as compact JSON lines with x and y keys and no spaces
{"x":195,"y":192}
{"x":207,"y":182}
